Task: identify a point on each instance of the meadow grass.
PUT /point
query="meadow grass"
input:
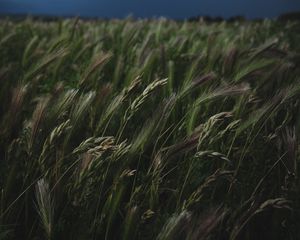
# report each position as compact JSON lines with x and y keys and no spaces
{"x":149,"y":129}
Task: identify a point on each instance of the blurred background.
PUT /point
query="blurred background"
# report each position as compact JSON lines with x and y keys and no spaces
{"x":177,"y":9}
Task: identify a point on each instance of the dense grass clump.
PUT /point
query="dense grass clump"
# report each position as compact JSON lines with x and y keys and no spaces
{"x":149,"y":130}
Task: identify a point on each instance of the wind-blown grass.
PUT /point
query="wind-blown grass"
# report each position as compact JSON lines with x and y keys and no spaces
{"x":146,"y":129}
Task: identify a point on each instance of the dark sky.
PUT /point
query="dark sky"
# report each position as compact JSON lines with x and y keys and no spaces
{"x":151,"y":8}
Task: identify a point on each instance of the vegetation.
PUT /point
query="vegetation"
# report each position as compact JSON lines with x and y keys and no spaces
{"x":149,"y":129}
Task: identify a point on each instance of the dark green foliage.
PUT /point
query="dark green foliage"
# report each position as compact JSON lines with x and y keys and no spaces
{"x":149,"y":130}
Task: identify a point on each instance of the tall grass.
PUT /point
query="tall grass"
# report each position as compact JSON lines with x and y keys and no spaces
{"x":149,"y":129}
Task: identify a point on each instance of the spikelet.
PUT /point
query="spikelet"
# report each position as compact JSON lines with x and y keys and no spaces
{"x":105,"y":145}
{"x":118,"y":100}
{"x":45,"y":206}
{"x":14,"y":111}
{"x":55,"y":134}
{"x":136,"y":104}
{"x":175,"y":226}
{"x":120,"y":150}
{"x":100,"y":62}
{"x":198,"y":194}
{"x":93,"y":143}
{"x":45,"y":62}
{"x":37,"y":118}
{"x":212,"y":154}
{"x":254,"y":212}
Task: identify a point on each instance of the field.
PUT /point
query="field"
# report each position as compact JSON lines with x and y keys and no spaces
{"x":149,"y":129}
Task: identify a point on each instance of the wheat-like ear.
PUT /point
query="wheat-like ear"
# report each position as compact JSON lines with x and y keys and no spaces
{"x":52,"y":140}
{"x":80,"y":110}
{"x":37,"y":118}
{"x":136,"y":104}
{"x":84,"y":49}
{"x":176,"y":226}
{"x":7,"y":38}
{"x":93,"y":143}
{"x":13,"y":114}
{"x":118,"y":100}
{"x":99,"y":63}
{"x":153,"y":125}
{"x":278,"y":204}
{"x":130,"y":223}
{"x":252,"y":67}
{"x":192,"y":85}
{"x":45,"y":207}
{"x":212,"y":154}
{"x":45,"y":62}
{"x":269,"y":44}
{"x":222,"y":92}
{"x":28,"y":50}
{"x":198,"y":194}
{"x":260,"y":115}
{"x":230,"y":60}
{"x":62,"y":104}
{"x":289,"y":138}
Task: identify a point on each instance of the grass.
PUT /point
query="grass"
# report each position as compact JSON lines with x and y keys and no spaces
{"x":149,"y":129}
